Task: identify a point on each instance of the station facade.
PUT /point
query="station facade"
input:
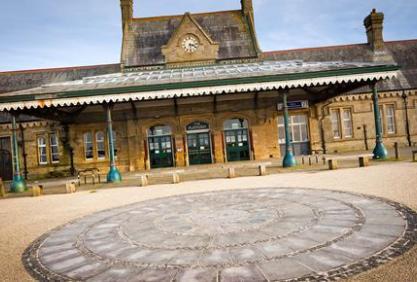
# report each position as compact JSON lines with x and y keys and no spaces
{"x":196,"y":89}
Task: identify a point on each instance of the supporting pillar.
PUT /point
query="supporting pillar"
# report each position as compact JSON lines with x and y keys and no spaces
{"x":289,"y":160}
{"x":18,"y":184}
{"x":114,"y":175}
{"x":379,"y":153}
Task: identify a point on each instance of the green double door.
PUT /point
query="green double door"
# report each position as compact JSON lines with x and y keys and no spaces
{"x":199,"y":148}
{"x":237,"y":145}
{"x":160,"y":151}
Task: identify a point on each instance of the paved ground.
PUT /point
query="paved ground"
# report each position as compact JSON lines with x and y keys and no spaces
{"x":241,"y":235}
{"x":25,"y":219}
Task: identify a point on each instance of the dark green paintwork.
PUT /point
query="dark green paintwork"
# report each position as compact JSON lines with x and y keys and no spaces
{"x":380,"y":152}
{"x":289,"y":160}
{"x":237,"y":145}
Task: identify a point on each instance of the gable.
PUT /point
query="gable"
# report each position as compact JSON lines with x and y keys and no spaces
{"x":190,"y":43}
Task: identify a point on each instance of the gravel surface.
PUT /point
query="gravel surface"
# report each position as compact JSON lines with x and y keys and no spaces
{"x":25,"y":219}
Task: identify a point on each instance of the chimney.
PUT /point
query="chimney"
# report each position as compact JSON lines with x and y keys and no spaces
{"x":374,"y":24}
{"x":127,"y":11}
{"x":247,"y":7}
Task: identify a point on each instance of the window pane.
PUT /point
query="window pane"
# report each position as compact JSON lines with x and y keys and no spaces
{"x":335,"y":123}
{"x":54,"y":147}
{"x":88,"y":145}
{"x":42,"y":150}
{"x":101,"y":152}
{"x":390,"y":118}
{"x":347,"y":123}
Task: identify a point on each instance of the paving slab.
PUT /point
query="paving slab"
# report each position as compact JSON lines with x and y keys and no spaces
{"x":268,"y":234}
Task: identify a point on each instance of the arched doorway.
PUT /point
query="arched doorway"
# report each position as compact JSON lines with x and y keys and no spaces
{"x":199,"y":143}
{"x":6,"y":165}
{"x":160,"y":146}
{"x":237,"y":140}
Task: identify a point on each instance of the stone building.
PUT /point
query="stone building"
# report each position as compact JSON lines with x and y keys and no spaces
{"x":197,"y":89}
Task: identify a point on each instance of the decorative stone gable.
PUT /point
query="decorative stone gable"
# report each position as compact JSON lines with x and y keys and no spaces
{"x":190,"y":44}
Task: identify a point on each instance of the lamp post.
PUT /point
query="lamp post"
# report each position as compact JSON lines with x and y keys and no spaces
{"x":289,"y":160}
{"x":18,"y":184}
{"x":380,"y":152}
{"x":114,"y":175}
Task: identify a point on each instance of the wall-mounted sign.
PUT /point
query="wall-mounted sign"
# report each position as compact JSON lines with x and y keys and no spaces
{"x":197,"y":125}
{"x":294,"y":105}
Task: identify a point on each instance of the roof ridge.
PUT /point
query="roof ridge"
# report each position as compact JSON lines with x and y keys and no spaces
{"x":333,"y":46}
{"x":57,"y":69}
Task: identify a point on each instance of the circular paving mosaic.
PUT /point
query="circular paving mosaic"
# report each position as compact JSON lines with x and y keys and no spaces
{"x":240,"y":235}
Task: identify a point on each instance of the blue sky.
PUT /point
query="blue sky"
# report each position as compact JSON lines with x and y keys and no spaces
{"x":59,"y":33}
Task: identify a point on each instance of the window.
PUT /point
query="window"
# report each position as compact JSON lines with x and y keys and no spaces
{"x":298,"y":129}
{"x":42,"y":151}
{"x":335,"y":118}
{"x":341,"y":120}
{"x":101,"y":153}
{"x":390,"y":119}
{"x":54,"y":147}
{"x":88,"y":146}
{"x":232,"y":124}
{"x":347,"y":123}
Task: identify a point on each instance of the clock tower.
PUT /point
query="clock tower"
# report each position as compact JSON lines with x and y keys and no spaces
{"x":188,"y":39}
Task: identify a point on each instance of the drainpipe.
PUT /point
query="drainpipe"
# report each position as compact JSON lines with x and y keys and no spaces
{"x":407,"y":123}
{"x":323,"y":139}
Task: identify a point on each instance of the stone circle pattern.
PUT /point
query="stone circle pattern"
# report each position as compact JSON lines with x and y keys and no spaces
{"x":271,"y":234}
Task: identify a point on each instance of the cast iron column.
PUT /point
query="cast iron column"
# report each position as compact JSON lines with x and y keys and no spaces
{"x":380,"y":153}
{"x":18,"y":184}
{"x":407,"y":123}
{"x":114,"y":175}
{"x":289,"y":160}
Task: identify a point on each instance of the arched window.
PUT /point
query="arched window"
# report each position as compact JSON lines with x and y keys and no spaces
{"x":100,"y":145}
{"x":159,"y":130}
{"x":88,"y":146}
{"x":42,"y":150}
{"x":232,"y":124}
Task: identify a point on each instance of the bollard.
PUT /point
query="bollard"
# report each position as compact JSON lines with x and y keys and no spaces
{"x":143,"y":181}
{"x":231,"y":172}
{"x":302,"y":159}
{"x":262,"y":170}
{"x":414,"y":156}
{"x":397,"y":152}
{"x":70,"y":187}
{"x":309,"y":161}
{"x":317,"y":159}
{"x":332,"y":164}
{"x":2,"y":189}
{"x":363,"y":161}
{"x":37,"y":190}
{"x":175,"y":178}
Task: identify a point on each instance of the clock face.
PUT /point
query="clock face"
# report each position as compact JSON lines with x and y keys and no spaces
{"x":190,"y":43}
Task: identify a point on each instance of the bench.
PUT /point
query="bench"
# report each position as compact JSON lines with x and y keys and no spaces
{"x":93,"y":173}
{"x":414,"y":155}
